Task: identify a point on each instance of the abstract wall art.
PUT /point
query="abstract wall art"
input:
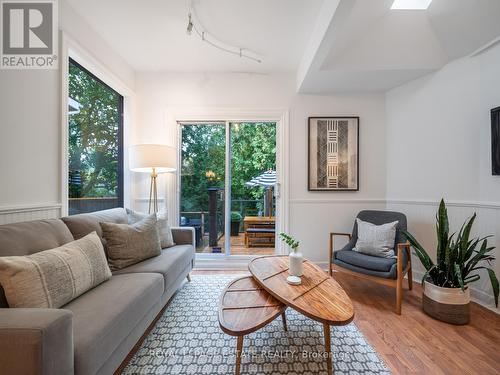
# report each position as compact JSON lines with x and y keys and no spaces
{"x":333,"y":154}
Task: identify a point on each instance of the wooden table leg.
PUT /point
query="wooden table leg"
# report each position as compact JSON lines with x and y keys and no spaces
{"x":239,"y":350}
{"x":283,"y":318}
{"x":328,"y":348}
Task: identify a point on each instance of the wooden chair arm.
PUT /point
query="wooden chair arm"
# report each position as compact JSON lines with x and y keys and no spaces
{"x":406,"y":246}
{"x":340,"y":234}
{"x":332,"y":235}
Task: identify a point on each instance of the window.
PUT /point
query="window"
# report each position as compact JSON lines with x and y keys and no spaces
{"x":95,"y":144}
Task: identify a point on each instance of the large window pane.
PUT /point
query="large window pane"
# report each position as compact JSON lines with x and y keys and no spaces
{"x":203,"y":160}
{"x":253,"y":154}
{"x":95,"y":180}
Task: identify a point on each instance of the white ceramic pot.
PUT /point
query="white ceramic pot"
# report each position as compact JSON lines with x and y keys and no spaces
{"x":296,"y":263}
{"x":451,"y":305}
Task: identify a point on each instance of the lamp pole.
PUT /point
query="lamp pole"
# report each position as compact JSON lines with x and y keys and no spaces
{"x":153,"y":192}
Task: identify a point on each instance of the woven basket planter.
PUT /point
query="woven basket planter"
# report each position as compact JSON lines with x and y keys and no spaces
{"x":450,"y":305}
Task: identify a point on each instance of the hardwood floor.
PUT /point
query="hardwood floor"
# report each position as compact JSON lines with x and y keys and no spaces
{"x":414,"y":343}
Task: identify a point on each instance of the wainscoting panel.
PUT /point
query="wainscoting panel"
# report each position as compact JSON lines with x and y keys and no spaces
{"x":421,"y":221}
{"x":26,"y":213}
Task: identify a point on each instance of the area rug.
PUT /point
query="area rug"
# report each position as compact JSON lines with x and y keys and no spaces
{"x":187,"y":340}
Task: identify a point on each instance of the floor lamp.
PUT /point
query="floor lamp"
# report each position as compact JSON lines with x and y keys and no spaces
{"x":152,"y":159}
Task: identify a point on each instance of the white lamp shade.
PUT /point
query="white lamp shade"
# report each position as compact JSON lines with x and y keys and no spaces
{"x":145,"y":157}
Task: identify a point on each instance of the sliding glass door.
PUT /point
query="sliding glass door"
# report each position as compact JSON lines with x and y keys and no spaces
{"x":235,"y":160}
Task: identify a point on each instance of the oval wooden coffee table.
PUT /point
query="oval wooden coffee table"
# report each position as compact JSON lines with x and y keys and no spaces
{"x":318,"y":297}
{"x":246,"y":307}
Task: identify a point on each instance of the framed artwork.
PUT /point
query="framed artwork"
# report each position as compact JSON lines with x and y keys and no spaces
{"x":333,"y":147}
{"x":495,"y":141}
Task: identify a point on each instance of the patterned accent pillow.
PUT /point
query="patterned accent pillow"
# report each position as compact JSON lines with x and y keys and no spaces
{"x":131,"y":244}
{"x":52,"y":278}
{"x":164,"y":230}
{"x":376,"y":240}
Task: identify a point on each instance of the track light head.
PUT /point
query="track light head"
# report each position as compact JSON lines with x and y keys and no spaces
{"x":189,"y":28}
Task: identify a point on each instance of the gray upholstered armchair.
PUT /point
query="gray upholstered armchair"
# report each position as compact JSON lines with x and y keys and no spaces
{"x":387,"y":271}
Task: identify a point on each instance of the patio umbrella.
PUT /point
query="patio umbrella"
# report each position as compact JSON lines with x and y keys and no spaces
{"x":267,"y":180}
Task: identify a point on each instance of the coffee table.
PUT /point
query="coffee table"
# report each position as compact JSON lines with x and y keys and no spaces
{"x":318,"y":297}
{"x":245,"y":307}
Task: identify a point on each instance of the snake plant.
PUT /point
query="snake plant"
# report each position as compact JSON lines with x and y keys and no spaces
{"x":458,"y":256}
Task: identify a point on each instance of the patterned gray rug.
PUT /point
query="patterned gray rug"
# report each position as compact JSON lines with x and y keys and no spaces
{"x":187,"y":340}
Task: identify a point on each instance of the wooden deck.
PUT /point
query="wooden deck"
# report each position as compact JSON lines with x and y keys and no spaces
{"x":238,"y":247}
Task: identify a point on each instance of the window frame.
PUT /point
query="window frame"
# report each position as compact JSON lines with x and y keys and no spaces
{"x":120,"y":133}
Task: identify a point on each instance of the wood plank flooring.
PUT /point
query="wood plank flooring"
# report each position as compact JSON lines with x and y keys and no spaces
{"x":414,"y":343}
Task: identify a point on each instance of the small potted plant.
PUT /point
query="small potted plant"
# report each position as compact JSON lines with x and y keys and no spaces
{"x":296,"y":268}
{"x":458,"y":258}
{"x":235,"y":223}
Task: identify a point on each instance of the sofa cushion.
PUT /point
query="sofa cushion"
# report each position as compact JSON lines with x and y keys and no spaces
{"x":30,"y":237}
{"x":164,"y":230}
{"x":130,"y":244}
{"x":104,"y":316}
{"x":82,"y":224}
{"x":170,"y":263}
{"x":392,"y":274}
{"x":52,"y":278}
{"x":365,"y":261}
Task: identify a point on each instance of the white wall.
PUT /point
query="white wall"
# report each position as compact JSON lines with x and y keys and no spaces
{"x":312,"y":214}
{"x":438,"y":137}
{"x":30,"y":122}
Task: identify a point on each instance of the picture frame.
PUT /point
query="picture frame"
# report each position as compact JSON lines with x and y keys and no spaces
{"x":333,"y":153}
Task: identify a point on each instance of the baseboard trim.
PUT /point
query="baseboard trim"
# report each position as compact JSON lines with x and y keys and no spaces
{"x":233,"y":262}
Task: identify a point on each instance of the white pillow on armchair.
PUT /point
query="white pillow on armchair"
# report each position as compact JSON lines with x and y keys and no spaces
{"x":376,"y":240}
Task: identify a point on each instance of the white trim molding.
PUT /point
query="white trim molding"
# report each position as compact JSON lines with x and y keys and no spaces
{"x":338,"y":201}
{"x":15,"y":214}
{"x":449,"y":203}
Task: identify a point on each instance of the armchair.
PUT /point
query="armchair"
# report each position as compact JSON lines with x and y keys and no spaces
{"x":386,"y":271}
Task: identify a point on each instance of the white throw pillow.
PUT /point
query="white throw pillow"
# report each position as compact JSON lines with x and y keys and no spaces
{"x":164,"y":230}
{"x":376,"y":240}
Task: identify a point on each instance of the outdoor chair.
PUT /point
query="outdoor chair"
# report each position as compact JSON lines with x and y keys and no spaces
{"x":386,"y":271}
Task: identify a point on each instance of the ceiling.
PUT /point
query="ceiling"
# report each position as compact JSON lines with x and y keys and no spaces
{"x":366,"y":46}
{"x":151,"y":35}
{"x":333,"y":46}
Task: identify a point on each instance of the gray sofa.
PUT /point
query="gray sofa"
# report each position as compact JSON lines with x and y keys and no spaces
{"x":94,"y":333}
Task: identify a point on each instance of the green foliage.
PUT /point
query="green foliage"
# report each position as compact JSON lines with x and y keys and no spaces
{"x":289,"y":240}
{"x":93,"y":142}
{"x":236,"y":216}
{"x":203,"y":150}
{"x":457,"y":257}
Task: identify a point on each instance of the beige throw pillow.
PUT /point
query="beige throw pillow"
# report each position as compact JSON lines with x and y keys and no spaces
{"x":130,"y":244}
{"x":52,"y":278}
{"x":376,"y":240}
{"x":164,"y":230}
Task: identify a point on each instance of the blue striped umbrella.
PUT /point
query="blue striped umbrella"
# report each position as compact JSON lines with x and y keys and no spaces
{"x":266,"y":179}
